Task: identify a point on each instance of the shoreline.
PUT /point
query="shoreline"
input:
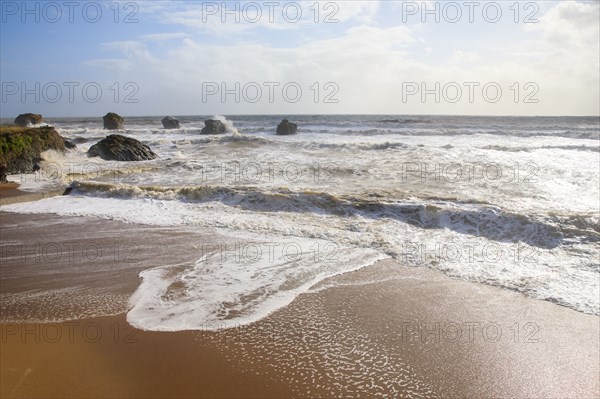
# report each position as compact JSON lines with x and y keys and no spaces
{"x":11,"y":194}
{"x":384,"y":330}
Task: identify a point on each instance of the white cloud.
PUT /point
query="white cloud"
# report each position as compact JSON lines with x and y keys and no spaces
{"x":564,"y":58}
{"x":362,"y":11}
{"x":370,"y":64}
{"x":236,"y":17}
{"x":465,"y":58}
{"x":571,"y":23}
{"x":133,"y":49}
{"x":159,"y":37}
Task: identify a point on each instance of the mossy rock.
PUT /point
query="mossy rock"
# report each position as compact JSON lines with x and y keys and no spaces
{"x":21,"y":148}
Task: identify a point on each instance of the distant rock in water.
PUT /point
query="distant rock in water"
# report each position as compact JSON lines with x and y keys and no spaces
{"x":213,"y":126}
{"x":113,"y":121}
{"x":25,"y":120}
{"x":286,"y":128}
{"x":120,"y":148}
{"x":170,"y":123}
{"x":21,"y":148}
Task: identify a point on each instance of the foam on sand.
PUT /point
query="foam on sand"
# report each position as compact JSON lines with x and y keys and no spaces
{"x":237,"y":283}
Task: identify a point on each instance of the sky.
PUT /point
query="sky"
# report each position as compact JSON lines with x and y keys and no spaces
{"x":86,"y":58}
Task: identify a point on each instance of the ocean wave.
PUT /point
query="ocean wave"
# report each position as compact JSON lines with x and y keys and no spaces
{"x":479,"y":220}
{"x":400,"y":121}
{"x":553,"y":263}
{"x":81,"y":139}
{"x":453,"y":132}
{"x":228,"y":139}
{"x":546,"y":147}
{"x":257,"y":141}
{"x":358,"y":146}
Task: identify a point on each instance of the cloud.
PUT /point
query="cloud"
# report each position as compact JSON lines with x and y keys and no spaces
{"x":213,"y":18}
{"x":466,"y":58}
{"x":565,"y":56}
{"x":362,"y":11}
{"x":133,"y":49}
{"x":236,"y":17}
{"x":571,"y":23}
{"x":370,"y":63}
{"x":159,"y":37}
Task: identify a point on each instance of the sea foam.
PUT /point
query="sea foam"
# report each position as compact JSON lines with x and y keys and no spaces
{"x":238,"y":282}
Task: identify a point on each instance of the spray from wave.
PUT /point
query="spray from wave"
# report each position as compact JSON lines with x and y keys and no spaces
{"x":229,"y":128}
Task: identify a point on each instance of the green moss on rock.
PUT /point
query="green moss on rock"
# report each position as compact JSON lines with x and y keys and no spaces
{"x":21,"y":148}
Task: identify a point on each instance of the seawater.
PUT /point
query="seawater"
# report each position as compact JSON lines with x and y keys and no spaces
{"x":506,"y":201}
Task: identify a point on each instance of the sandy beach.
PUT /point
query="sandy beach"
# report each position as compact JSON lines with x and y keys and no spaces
{"x":386,"y":330}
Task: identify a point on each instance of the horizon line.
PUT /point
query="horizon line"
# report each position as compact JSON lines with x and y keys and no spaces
{"x":332,"y":114}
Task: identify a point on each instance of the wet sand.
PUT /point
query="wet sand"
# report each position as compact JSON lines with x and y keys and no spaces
{"x":11,"y":194}
{"x":8,"y":191}
{"x":385,"y":330}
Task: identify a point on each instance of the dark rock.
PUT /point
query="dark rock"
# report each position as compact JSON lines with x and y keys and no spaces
{"x":120,"y":148}
{"x":113,"y":121}
{"x":286,"y":128}
{"x":69,"y":145}
{"x":25,"y":120}
{"x":212,"y":126}
{"x":21,"y":148}
{"x":170,"y":123}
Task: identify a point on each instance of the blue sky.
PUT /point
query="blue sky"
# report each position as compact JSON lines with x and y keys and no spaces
{"x":158,"y":58}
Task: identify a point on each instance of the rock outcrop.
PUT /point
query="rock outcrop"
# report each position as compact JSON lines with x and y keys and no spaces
{"x":25,"y":120}
{"x":286,"y":128}
{"x":120,"y":148}
{"x":170,"y":123}
{"x":21,"y":148}
{"x":213,"y":126}
{"x":113,"y":121}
